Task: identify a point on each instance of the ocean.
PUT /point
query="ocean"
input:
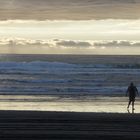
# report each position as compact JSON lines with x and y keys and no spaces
{"x":81,"y":83}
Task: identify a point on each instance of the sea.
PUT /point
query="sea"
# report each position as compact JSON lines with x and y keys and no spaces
{"x":76,"y":83}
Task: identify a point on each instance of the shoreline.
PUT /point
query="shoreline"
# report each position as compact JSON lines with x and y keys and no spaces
{"x":42,"y":125}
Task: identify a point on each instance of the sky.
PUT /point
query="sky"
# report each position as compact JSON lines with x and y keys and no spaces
{"x":70,"y":26}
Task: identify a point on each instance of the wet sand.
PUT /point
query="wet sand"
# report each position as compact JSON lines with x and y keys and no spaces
{"x":37,"y":125}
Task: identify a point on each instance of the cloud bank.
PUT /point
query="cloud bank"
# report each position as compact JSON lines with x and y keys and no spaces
{"x":71,"y":43}
{"x":117,"y":44}
{"x":59,"y":46}
{"x":54,"y":43}
{"x":57,"y":43}
{"x":69,"y":9}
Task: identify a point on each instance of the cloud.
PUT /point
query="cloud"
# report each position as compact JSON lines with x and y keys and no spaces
{"x":69,"y":9}
{"x":71,"y":43}
{"x":33,"y":46}
{"x":11,"y":42}
{"x":60,"y":44}
{"x":48,"y":43}
{"x":117,"y":44}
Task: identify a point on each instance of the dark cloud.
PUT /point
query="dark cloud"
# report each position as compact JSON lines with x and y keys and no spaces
{"x":117,"y":44}
{"x":69,"y":9}
{"x":73,"y":43}
{"x":67,"y":43}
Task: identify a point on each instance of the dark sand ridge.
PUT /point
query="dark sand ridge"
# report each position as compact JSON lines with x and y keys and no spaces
{"x":33,"y":125}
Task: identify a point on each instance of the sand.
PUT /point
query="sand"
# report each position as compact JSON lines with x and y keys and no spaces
{"x":37,"y":125}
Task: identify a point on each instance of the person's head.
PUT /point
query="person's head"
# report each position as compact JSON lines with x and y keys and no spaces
{"x":131,"y":84}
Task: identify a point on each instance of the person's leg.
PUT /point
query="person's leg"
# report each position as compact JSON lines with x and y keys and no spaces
{"x":133,"y":105}
{"x":129,"y":104}
{"x":133,"y":109}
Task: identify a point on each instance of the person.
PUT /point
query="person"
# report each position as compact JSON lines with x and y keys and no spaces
{"x":131,"y":92}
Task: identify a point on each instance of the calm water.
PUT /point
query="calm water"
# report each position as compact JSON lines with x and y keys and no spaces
{"x":67,"y":82}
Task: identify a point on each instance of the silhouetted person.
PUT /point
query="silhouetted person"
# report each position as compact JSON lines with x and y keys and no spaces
{"x":131,"y":92}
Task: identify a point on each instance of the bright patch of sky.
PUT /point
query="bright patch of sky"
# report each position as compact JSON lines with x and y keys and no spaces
{"x":73,"y":30}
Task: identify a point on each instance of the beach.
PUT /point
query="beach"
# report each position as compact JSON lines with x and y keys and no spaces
{"x":42,"y":125}
{"x":49,"y":97}
{"x":70,"y":70}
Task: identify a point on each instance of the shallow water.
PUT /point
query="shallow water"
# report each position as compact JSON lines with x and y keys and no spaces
{"x":67,"y":103}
